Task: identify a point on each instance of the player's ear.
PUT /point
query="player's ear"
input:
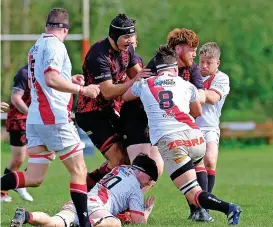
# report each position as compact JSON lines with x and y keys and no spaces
{"x":218,"y":63}
{"x":177,"y":48}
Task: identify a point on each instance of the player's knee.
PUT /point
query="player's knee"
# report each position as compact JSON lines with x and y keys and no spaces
{"x":210,"y":163}
{"x":16,"y":163}
{"x":192,"y":195}
{"x":36,"y":182}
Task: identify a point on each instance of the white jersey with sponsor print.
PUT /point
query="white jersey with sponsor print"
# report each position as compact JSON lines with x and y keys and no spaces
{"x":48,"y":106}
{"x":166,"y":99}
{"x":121,"y":190}
{"x":211,"y":113}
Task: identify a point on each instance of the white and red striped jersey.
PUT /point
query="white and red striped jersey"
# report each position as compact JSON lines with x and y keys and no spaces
{"x":211,"y":113}
{"x":166,"y":99}
{"x":48,"y":106}
{"x":121,"y":190}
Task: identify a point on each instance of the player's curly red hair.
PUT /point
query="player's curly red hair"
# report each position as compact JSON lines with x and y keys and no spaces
{"x":180,"y":36}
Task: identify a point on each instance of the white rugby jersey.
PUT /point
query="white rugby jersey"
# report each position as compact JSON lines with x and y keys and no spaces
{"x":48,"y":106}
{"x":121,"y":190}
{"x":166,"y":99}
{"x":211,"y":113}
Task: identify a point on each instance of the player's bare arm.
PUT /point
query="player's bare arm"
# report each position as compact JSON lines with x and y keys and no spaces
{"x":4,"y":106}
{"x":111,"y":91}
{"x":137,"y":73}
{"x":212,"y":97}
{"x":55,"y":81}
{"x":128,"y":95}
{"x":202,"y":96}
{"x":195,"y":109}
{"x":148,"y":206}
{"x":17,"y":101}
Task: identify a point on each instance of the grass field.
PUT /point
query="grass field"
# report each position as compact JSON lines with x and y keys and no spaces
{"x":244,"y":176}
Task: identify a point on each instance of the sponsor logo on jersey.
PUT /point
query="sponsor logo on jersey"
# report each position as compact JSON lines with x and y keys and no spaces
{"x":103,"y":76}
{"x":168,"y":115}
{"x":166,"y":82}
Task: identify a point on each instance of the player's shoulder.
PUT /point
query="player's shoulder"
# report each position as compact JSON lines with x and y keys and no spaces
{"x":100,"y":48}
{"x":22,"y":73}
{"x":52,"y":42}
{"x":221,"y":76}
{"x":99,"y":52}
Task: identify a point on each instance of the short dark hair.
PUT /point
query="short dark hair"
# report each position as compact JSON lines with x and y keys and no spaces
{"x":58,"y":15}
{"x":165,"y":55}
{"x":147,"y":165}
{"x":123,"y":21}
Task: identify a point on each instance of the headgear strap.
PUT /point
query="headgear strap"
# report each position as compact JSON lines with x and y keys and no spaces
{"x":115,"y":32}
{"x":57,"y":25}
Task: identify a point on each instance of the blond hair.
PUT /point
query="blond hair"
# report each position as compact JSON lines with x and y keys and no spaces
{"x":210,"y":50}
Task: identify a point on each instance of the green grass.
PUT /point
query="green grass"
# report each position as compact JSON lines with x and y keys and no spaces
{"x":244,"y":176}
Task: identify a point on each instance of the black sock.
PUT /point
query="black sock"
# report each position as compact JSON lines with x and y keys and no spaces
{"x":211,"y":180}
{"x":202,"y":179}
{"x":96,"y":175}
{"x":6,"y":171}
{"x":8,"y":181}
{"x":79,"y":198}
{"x":211,"y":202}
{"x":192,"y":207}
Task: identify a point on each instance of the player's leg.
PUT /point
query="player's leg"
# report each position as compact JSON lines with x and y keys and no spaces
{"x":103,"y":218}
{"x":182,"y":172}
{"x":156,"y":156}
{"x":18,"y":152}
{"x":100,"y":129}
{"x":211,"y":156}
{"x":68,"y":147}
{"x":22,"y":216}
{"x":38,"y":163}
{"x":18,"y":147}
{"x":134,"y":125}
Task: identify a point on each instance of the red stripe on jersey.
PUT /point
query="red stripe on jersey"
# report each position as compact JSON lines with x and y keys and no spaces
{"x":103,"y":194}
{"x":69,"y":107}
{"x":49,"y":68}
{"x":208,"y":82}
{"x":136,"y":212}
{"x":44,"y":107}
{"x":48,"y":36}
{"x":179,"y":115}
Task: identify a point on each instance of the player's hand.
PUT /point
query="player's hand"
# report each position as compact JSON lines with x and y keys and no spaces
{"x":4,"y":106}
{"x":78,"y":79}
{"x":144,"y":73}
{"x":91,"y":90}
{"x":125,"y":217}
